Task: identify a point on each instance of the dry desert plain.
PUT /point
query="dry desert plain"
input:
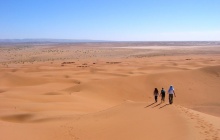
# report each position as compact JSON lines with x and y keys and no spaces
{"x":104,"y":91}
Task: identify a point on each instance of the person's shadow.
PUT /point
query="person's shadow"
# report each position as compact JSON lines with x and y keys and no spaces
{"x":150,"y":105}
{"x":163,"y":106}
{"x":156,"y":105}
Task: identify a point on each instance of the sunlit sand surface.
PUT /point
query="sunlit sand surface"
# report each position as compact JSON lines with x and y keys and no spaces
{"x":93,"y":91}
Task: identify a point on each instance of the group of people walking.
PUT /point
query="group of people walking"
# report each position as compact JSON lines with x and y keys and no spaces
{"x":171,"y":93}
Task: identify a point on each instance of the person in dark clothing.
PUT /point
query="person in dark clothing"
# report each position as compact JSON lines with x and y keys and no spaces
{"x":162,"y":94}
{"x":156,"y":93}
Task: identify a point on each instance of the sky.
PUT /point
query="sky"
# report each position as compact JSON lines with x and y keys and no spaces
{"x":113,"y":20}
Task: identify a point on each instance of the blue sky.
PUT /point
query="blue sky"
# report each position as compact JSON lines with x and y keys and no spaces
{"x":120,"y":20}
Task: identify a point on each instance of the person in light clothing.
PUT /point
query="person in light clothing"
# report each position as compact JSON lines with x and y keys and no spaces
{"x":171,"y":92}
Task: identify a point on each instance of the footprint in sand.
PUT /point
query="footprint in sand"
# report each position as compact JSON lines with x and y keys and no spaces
{"x":69,"y":131}
{"x":206,"y":129}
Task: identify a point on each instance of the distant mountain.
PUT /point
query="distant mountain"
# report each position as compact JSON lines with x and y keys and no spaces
{"x":119,"y":43}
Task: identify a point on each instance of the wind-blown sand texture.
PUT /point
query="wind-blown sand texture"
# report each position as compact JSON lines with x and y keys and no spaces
{"x":104,"y":91}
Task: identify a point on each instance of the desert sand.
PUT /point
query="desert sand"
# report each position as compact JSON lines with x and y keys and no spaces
{"x":104,"y":91}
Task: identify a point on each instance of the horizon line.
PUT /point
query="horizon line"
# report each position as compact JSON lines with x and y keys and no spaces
{"x":95,"y":40}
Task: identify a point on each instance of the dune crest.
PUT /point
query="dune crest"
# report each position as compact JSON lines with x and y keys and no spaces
{"x":96,"y":92}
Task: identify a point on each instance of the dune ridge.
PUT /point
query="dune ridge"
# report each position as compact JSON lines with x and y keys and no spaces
{"x":111,"y":96}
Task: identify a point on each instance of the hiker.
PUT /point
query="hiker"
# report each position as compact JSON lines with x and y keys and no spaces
{"x":171,"y":93}
{"x":162,"y":94}
{"x":156,"y":92}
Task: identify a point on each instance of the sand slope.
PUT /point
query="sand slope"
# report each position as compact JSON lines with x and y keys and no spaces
{"x":129,"y":120}
{"x":109,"y":97}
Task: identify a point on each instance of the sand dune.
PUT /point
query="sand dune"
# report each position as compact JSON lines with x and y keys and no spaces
{"x":9,"y":79}
{"x":110,"y":96}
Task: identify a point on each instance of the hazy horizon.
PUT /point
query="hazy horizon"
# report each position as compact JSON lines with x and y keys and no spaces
{"x":66,"y":39}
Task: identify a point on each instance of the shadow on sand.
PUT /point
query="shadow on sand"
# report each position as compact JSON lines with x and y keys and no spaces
{"x":156,"y":105}
{"x":150,"y":105}
{"x":164,"y":106}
